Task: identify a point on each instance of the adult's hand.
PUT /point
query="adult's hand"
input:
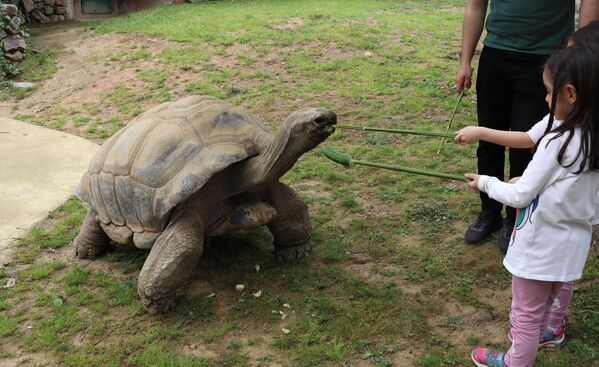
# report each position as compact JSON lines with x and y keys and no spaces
{"x":464,"y":79}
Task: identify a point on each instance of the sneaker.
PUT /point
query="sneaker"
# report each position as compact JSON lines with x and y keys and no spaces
{"x":553,"y":340}
{"x":506,"y":236}
{"x":486,"y":223}
{"x":483,"y":357}
{"x":550,"y":339}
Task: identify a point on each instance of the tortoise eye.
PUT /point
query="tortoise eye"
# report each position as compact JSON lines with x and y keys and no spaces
{"x":320,"y":120}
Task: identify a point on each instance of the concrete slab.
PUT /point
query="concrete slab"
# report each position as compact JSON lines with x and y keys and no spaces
{"x":39,"y":170}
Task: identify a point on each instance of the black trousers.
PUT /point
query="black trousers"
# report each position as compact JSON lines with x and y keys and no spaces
{"x":510,"y":96}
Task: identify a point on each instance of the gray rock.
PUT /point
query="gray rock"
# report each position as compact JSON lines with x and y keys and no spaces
{"x":42,"y":18}
{"x":54,"y":18}
{"x":9,"y":9}
{"x":60,"y":10}
{"x":14,"y":26}
{"x":14,"y":42}
{"x":49,"y":10}
{"x":49,"y":2}
{"x":16,"y":56}
{"x":2,"y":34}
{"x":29,"y":5}
{"x":23,"y":85}
{"x":60,"y":3}
{"x":61,"y":18}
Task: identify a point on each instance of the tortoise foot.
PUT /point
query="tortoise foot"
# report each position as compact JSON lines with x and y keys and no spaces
{"x":293,"y":252}
{"x":158,"y":306}
{"x":91,"y":240}
{"x":87,"y":250}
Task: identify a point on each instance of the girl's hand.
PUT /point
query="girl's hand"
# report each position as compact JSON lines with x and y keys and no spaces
{"x":468,"y":135}
{"x":473,"y":183}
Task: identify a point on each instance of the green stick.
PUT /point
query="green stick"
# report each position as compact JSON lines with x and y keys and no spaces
{"x":397,"y":131}
{"x":451,"y":120}
{"x":346,"y":160}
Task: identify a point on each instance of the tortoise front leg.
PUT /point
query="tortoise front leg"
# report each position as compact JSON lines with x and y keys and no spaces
{"x":291,"y":227}
{"x":172,"y":259}
{"x":91,"y":240}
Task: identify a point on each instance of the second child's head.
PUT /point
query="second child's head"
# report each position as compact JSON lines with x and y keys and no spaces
{"x":587,"y":34}
{"x":571,"y":77}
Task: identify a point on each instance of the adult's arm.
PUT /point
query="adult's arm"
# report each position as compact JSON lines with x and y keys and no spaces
{"x":589,"y":11}
{"x":472,"y":28}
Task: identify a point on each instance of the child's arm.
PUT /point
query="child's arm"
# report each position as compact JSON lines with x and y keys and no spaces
{"x":542,"y":168}
{"x":510,"y":139}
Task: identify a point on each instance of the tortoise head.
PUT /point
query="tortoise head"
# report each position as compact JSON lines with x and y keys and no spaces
{"x":302,"y":131}
{"x":309,"y":127}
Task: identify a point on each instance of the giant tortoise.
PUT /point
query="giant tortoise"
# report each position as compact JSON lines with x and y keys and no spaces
{"x":190,"y":169}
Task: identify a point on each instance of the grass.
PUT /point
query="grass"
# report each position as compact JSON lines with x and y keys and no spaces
{"x":390,"y":282}
{"x":38,"y":66}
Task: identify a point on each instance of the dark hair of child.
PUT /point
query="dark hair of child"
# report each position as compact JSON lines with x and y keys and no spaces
{"x":586,"y":34}
{"x":577,"y":65}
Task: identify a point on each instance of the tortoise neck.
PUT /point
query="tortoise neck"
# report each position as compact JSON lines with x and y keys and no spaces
{"x":272,"y":163}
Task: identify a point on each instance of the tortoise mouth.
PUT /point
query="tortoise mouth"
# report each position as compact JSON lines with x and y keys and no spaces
{"x":327,"y":131}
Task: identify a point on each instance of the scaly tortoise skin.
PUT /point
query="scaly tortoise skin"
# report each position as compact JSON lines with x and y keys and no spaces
{"x":191,"y":169}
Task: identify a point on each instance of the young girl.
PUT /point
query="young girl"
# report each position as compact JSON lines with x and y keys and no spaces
{"x":554,"y":335}
{"x":558,"y":194}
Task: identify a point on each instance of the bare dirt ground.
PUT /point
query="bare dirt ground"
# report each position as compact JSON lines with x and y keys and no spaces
{"x":84,"y":72}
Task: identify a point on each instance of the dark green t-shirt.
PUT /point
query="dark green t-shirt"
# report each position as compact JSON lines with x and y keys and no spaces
{"x":529,"y":26}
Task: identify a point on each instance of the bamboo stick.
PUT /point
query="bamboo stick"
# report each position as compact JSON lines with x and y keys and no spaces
{"x":346,"y":160}
{"x":396,"y":131}
{"x":451,"y":120}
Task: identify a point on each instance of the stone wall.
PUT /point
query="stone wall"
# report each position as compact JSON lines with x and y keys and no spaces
{"x":45,"y":11}
{"x":13,"y":38}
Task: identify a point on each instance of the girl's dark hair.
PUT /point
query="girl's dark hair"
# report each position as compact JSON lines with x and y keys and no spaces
{"x":577,"y":65}
{"x":587,"y":34}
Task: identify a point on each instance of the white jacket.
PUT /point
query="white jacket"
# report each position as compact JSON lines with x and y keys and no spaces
{"x":552,"y":233}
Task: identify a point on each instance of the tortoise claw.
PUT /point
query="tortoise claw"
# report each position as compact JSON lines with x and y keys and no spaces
{"x":287,"y":254}
{"x":158,"y":306}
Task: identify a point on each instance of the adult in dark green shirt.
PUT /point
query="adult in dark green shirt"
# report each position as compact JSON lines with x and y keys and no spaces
{"x":521,"y":34}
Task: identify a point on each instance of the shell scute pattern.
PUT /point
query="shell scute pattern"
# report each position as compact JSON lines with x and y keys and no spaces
{"x":127,"y":202}
{"x":164,"y":156}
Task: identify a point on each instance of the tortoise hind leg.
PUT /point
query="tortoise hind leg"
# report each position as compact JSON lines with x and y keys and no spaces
{"x":91,"y":240}
{"x":172,"y":259}
{"x":291,"y":227}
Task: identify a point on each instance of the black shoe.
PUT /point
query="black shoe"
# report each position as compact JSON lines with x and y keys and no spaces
{"x":506,"y":236}
{"x":487,"y":223}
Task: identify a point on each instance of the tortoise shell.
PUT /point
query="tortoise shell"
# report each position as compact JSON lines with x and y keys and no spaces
{"x":164,"y":156}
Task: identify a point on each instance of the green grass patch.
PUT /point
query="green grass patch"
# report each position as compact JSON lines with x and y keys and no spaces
{"x":38,"y":66}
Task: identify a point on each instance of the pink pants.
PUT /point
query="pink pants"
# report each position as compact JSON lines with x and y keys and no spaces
{"x":532,"y":302}
{"x":560,"y":305}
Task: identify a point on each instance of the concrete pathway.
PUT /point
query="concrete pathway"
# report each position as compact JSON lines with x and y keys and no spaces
{"x":39,"y":170}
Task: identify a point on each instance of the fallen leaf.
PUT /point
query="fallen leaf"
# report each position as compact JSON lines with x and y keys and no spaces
{"x":57,"y":301}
